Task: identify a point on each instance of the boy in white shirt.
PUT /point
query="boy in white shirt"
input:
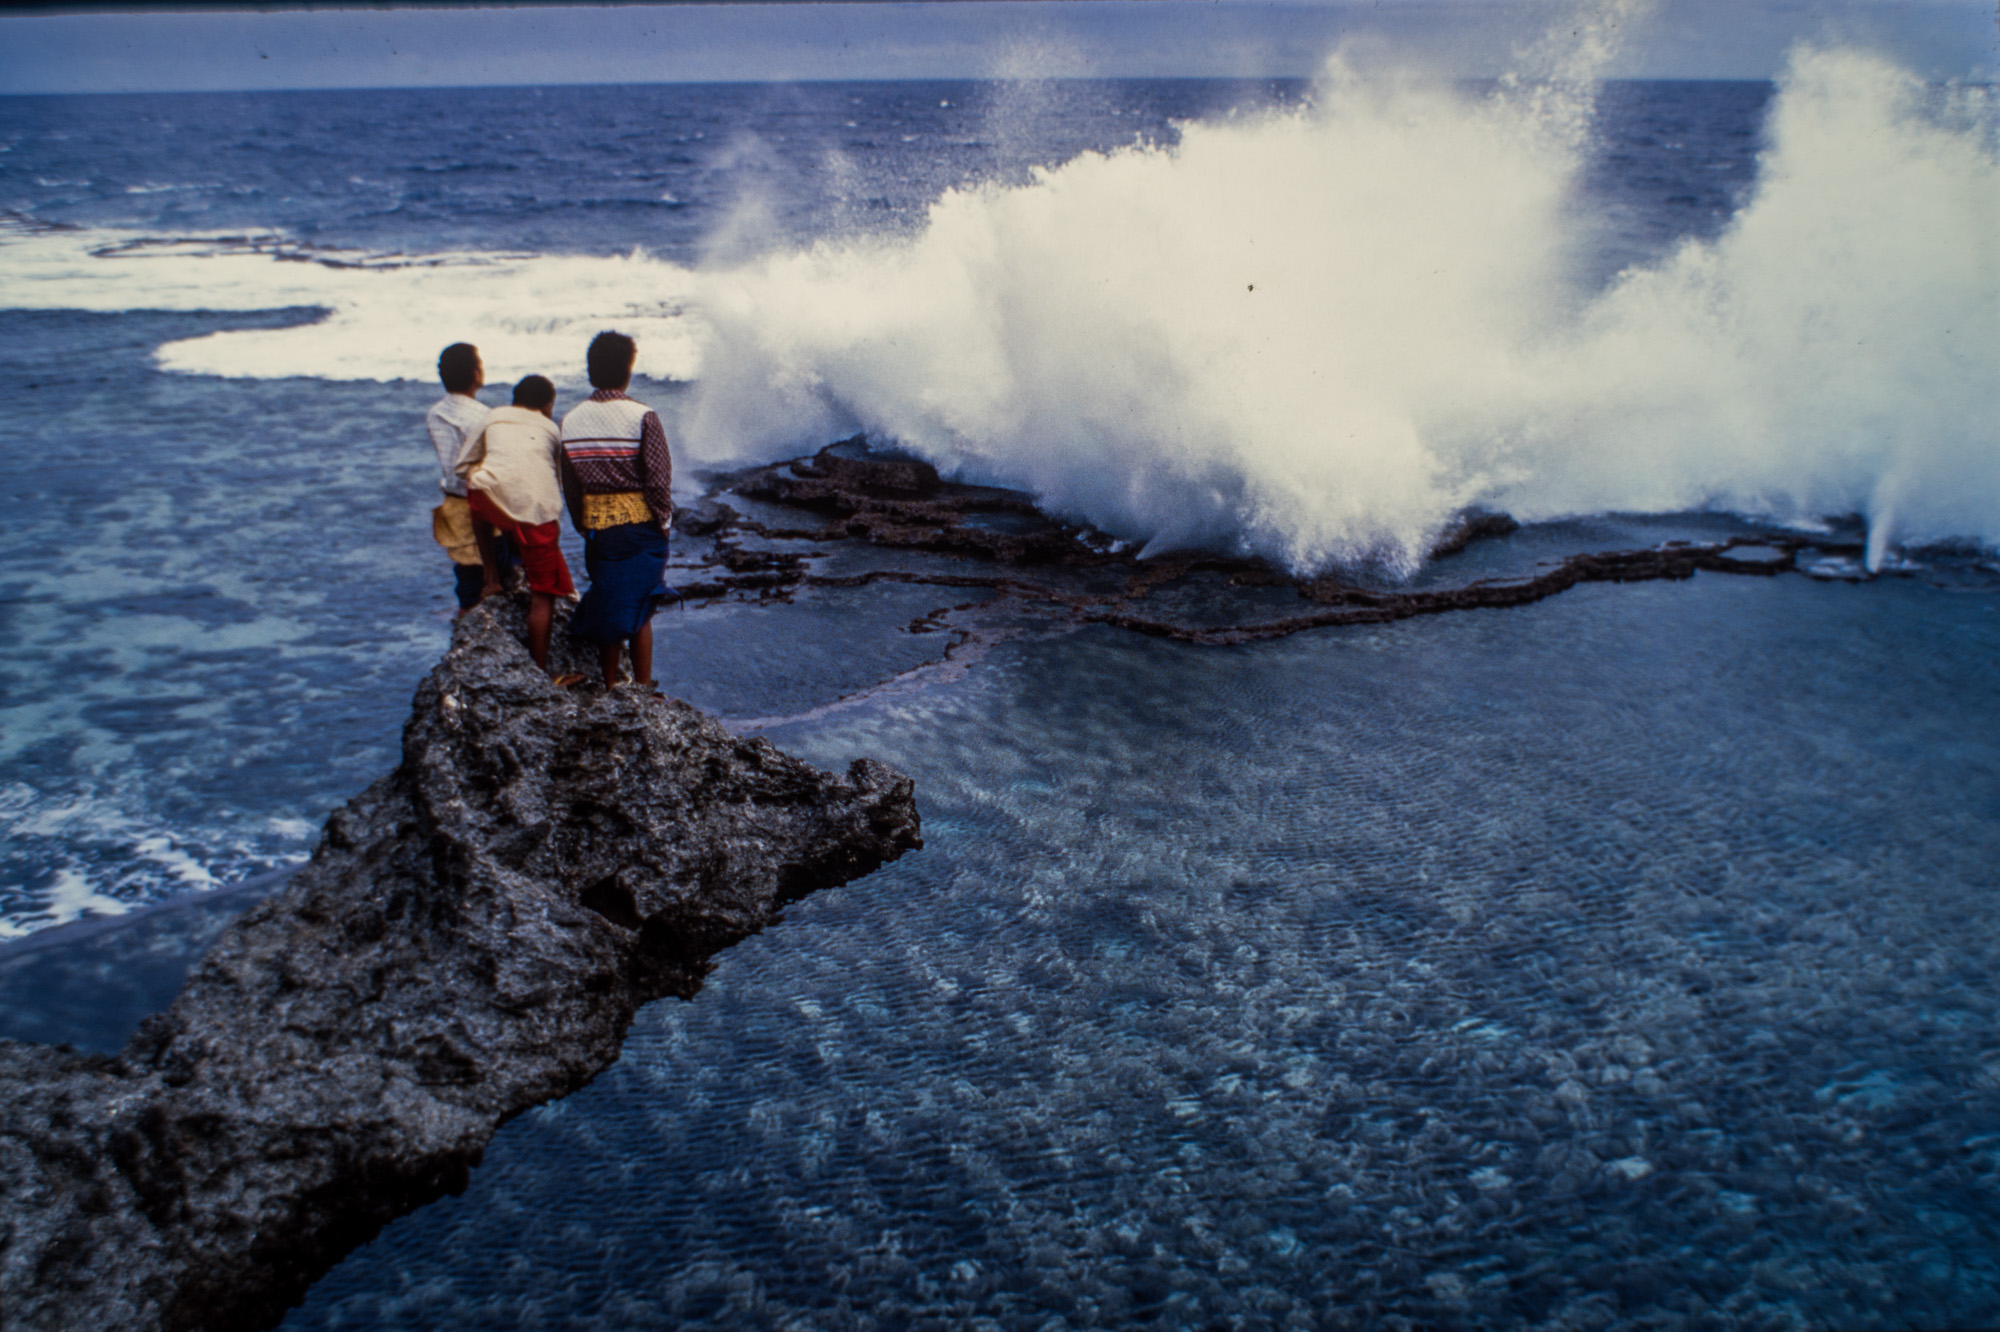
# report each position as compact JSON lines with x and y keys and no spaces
{"x":451,"y":421}
{"x":512,"y":487}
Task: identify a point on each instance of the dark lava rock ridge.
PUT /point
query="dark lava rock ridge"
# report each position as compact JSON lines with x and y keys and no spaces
{"x":472,"y":937}
{"x":851,"y":491}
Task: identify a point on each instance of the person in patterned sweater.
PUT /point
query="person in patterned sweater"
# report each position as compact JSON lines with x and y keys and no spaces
{"x":618,"y":484}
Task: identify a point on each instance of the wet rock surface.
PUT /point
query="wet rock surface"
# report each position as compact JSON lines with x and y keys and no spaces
{"x":851,"y":492}
{"x":471,"y":938}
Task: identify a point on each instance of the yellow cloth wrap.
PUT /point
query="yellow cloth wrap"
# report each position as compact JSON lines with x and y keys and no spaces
{"x":615,"y":509}
{"x":451,"y":527}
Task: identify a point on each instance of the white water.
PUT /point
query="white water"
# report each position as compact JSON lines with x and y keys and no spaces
{"x":1315,"y":336}
{"x":386,"y":318}
{"x":1836,"y":351}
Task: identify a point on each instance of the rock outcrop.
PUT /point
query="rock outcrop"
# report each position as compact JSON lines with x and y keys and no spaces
{"x":852,"y":492}
{"x":472,"y":937}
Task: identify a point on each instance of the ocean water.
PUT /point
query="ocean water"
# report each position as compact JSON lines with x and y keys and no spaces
{"x":1625,"y":958}
{"x":199,"y":571}
{"x":1563,"y":967}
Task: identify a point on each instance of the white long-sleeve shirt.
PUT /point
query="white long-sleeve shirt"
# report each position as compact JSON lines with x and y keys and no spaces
{"x":453,"y":420}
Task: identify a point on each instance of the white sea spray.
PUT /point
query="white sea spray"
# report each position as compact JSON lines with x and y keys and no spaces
{"x":1832,"y":352}
{"x":1316,"y":335}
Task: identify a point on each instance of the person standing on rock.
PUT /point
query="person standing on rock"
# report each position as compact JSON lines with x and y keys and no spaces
{"x":618,"y":480}
{"x":515,"y":492}
{"x":452,"y":420}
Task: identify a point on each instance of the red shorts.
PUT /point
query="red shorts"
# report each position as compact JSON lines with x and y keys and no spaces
{"x":540,"y":546}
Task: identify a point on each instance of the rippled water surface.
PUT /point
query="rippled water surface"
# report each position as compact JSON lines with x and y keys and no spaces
{"x":1625,"y":959}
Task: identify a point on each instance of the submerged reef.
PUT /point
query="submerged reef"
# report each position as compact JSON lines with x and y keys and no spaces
{"x":472,"y":937}
{"x":851,"y":492}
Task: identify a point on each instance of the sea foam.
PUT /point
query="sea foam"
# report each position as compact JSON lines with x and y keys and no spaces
{"x":386,"y":315}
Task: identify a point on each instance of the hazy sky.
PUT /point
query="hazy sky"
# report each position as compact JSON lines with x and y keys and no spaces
{"x":112,"y":52}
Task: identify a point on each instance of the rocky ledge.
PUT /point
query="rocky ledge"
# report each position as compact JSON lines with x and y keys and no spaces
{"x":472,"y":937}
{"x":852,"y":492}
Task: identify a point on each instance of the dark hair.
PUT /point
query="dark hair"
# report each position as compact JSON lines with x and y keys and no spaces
{"x":610,"y":360}
{"x":534,"y":393}
{"x":458,"y":367}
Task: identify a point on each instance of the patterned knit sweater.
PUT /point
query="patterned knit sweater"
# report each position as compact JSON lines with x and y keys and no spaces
{"x":611,"y":443}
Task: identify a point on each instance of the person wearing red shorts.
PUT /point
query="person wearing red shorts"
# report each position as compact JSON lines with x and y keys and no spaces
{"x":514,"y":489}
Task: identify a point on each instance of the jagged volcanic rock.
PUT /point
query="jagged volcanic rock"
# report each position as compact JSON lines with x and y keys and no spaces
{"x":851,"y":491}
{"x":472,"y":938}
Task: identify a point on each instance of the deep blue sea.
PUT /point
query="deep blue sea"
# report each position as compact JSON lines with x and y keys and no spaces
{"x":1625,"y":959}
